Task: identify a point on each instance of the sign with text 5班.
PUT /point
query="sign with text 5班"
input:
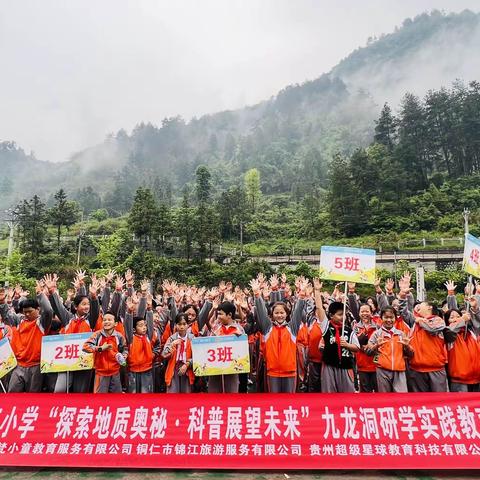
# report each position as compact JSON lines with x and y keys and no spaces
{"x":347,"y":264}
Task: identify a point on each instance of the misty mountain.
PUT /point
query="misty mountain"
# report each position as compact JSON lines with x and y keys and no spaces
{"x":294,"y":133}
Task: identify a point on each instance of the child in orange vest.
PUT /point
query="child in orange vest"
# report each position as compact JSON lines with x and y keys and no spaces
{"x":279,"y":338}
{"x":26,"y":343}
{"x":110,"y":352}
{"x":390,"y":347}
{"x":463,"y":353}
{"x":143,"y":344}
{"x":178,"y":350}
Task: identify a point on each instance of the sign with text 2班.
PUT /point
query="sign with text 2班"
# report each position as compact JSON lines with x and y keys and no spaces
{"x":222,"y":355}
{"x":62,"y":353}
{"x":346,"y":264}
{"x":471,"y":255}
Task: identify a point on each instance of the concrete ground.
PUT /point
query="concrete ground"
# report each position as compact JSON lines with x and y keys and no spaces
{"x":80,"y":474}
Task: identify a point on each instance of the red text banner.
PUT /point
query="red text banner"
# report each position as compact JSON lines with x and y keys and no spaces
{"x":254,"y":431}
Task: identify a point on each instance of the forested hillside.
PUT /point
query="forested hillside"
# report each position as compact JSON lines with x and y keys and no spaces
{"x":291,"y":138}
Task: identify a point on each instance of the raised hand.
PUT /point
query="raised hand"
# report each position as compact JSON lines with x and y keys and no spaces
{"x":302,"y":285}
{"x":109,"y":276}
{"x":404,"y":283}
{"x":81,"y":275}
{"x":450,"y":286}
{"x":469,"y":289}
{"x":130,"y":304}
{"x":317,"y":285}
{"x":389,"y":285}
{"x":255,"y":286}
{"x":228,"y":296}
{"x":404,"y":340}
{"x":119,"y":283}
{"x":129,"y":277}
{"x":261,"y":279}
{"x":274,"y":283}
{"x":39,"y":284}
{"x":94,"y":286}
{"x":50,"y":282}
{"x":144,"y":286}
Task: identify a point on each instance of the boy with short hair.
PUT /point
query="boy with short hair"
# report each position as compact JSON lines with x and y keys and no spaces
{"x":143,"y":344}
{"x":110,"y":352}
{"x":26,"y":343}
{"x":338,"y":344}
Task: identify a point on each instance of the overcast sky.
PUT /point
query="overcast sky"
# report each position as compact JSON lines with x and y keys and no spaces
{"x":74,"y":70}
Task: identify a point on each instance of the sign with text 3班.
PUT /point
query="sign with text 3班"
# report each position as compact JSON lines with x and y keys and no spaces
{"x":471,"y":255}
{"x":7,"y":358}
{"x":62,"y":353}
{"x":346,"y":264}
{"x":222,"y":355}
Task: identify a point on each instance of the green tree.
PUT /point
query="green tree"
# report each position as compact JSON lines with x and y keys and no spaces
{"x":143,"y":215}
{"x":32,"y":219}
{"x":386,"y":128}
{"x":203,"y":221}
{"x":185,"y":223}
{"x":164,"y":225}
{"x":252,"y":188}
{"x":64,"y":213}
{"x":347,"y":204}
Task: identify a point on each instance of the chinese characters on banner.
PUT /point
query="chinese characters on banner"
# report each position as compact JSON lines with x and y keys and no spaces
{"x":222,"y":355}
{"x":346,"y":264}
{"x":346,"y":431}
{"x":7,"y":358}
{"x":61,"y":353}
{"x":471,"y":255}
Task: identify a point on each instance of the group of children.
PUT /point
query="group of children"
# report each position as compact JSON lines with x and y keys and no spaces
{"x":301,"y":338}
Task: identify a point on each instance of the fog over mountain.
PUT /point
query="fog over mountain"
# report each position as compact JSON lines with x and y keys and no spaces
{"x":334,"y":112}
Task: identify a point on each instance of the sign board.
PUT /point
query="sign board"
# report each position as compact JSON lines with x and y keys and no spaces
{"x":7,"y":358}
{"x":471,"y":255}
{"x":220,"y":355}
{"x":346,"y":264}
{"x":62,"y":353}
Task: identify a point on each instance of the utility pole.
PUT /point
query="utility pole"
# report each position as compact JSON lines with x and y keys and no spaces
{"x":241,"y":237}
{"x":80,"y":235}
{"x":466,"y":215}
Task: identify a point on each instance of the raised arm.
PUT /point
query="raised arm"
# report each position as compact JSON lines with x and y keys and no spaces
{"x":451,"y":298}
{"x":46,"y":315}
{"x":297,"y":316}
{"x":353,"y":304}
{"x":382,"y":300}
{"x":203,"y":314}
